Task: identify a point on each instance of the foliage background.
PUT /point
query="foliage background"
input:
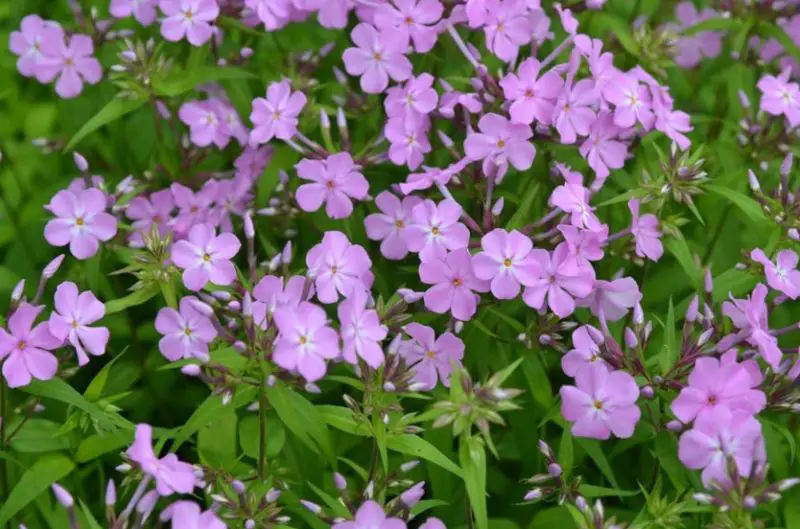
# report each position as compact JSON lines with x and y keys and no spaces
{"x":62,"y":442}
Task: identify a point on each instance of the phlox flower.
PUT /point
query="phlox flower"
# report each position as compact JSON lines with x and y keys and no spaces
{"x":673,"y":123}
{"x":193,"y":208}
{"x":205,"y":124}
{"x":305,"y":341}
{"x":507,"y":27}
{"x":376,"y":57}
{"x":274,"y":14}
{"x":74,"y":312}
{"x":411,"y":21}
{"x":189,"y":19}
{"x":172,"y":475}
{"x":27,"y":43}
{"x":602,"y":402}
{"x":144,"y":11}
{"x":332,"y":14}
{"x":612,"y":299}
{"x":26,"y":349}
{"x":780,"y":97}
{"x":573,"y":198}
{"x":73,"y":63}
{"x":584,"y":245}
{"x":361,"y":330}
{"x":454,"y":285}
{"x":646,"y":233}
{"x":750,"y":317}
{"x":435,"y":229}
{"x":185,"y":334}
{"x":271,"y":294}
{"x":81,"y":222}
{"x":390,"y":224}
{"x":602,"y":149}
{"x":338,"y":267}
{"x":205,"y":256}
{"x":431,"y":359}
{"x":782,"y":275}
{"x":433,"y":176}
{"x":714,"y":384}
{"x":557,"y":285}
{"x":276,"y":116}
{"x":533,"y":96}
{"x":631,"y":101}
{"x":335,"y":181}
{"x":500,"y":142}
{"x":690,"y":50}
{"x":252,"y":162}
{"x":371,"y":516}
{"x":506,"y":261}
{"x":408,"y":138}
{"x":573,"y":115}
{"x":718,"y":436}
{"x":147,"y":212}
{"x":416,"y":97}
{"x":187,"y":515}
{"x":585,"y":350}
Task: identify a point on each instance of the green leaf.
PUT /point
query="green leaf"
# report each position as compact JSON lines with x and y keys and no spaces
{"x":302,"y":419}
{"x":680,"y":249}
{"x":89,"y":517}
{"x":343,"y":419}
{"x":36,"y":480}
{"x":592,"y":491}
{"x":138,"y":297}
{"x":59,"y":390}
{"x":37,"y":436}
{"x":751,"y":209}
{"x":671,"y":350}
{"x":712,"y":24}
{"x":566,"y":453}
{"x":596,"y":453}
{"x":473,"y":462}
{"x":216,"y":441}
{"x":95,"y":446}
{"x":98,"y":383}
{"x":418,"y":447}
{"x":521,"y":215}
{"x":211,"y":410}
{"x":250,"y":436}
{"x":115,"y":109}
{"x":182,"y":81}
{"x":621,"y":30}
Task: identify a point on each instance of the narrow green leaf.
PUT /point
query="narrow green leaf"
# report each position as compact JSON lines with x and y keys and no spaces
{"x":751,"y":209}
{"x":522,"y":214}
{"x":343,"y":419}
{"x":209,"y":411}
{"x":566,"y":453}
{"x":95,"y":446}
{"x":302,"y":419}
{"x":138,"y":297}
{"x":592,"y":491}
{"x":250,"y":436}
{"x":59,"y":390}
{"x":415,"y":446}
{"x":180,"y":82}
{"x":679,"y":248}
{"x":115,"y":109}
{"x":596,"y":453}
{"x":669,"y":355}
{"x":36,"y":480}
{"x":473,"y":463}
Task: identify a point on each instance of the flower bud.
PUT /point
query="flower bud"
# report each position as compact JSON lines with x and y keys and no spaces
{"x":675,"y":426}
{"x":409,"y":466}
{"x":753,"y":181}
{"x":412,"y":496}
{"x":146,"y":504}
{"x":581,"y":504}
{"x":339,"y":481}
{"x":708,"y":282}
{"x":533,"y":495}
{"x":18,"y":291}
{"x":238,"y":486}
{"x":191,"y":370}
{"x":80,"y":162}
{"x":111,"y":493}
{"x":497,"y":209}
{"x":691,"y":311}
{"x":286,"y":253}
{"x":63,"y":497}
{"x":246,"y":53}
{"x":272,"y":495}
{"x":647,"y":392}
{"x":410,"y":296}
{"x":52,"y":267}
{"x":554,"y":469}
{"x":743,"y":99}
{"x":631,"y":341}
{"x":638,"y":314}
{"x":249,"y":229}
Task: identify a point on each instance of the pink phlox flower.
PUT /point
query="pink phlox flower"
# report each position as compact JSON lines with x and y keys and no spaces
{"x":185,"y":334}
{"x":674,"y":123}
{"x":574,"y":200}
{"x":601,"y":64}
{"x":646,"y":233}
{"x":436,"y":229}
{"x":230,"y":119}
{"x":432,"y":176}
{"x":586,"y":341}
{"x":144,"y":11}
{"x":390,"y":224}
{"x":205,"y":256}
{"x":335,"y":181}
{"x":454,"y":285}
{"x":190,"y":19}
{"x":451,"y":99}
{"x":26,"y":349}
{"x":146,"y":212}
{"x":270,"y":295}
{"x":602,"y":149}
{"x":72,"y":63}
{"x":557,"y":285}
{"x":584,"y":245}
{"x":411,"y":21}
{"x":431,"y":359}
{"x":718,"y":437}
{"x":171,"y":474}
{"x":274,"y":14}
{"x":74,"y":313}
{"x":612,"y":299}
{"x":338,"y":267}
{"x":690,"y":50}
{"x":27,"y":44}
{"x":232,"y":200}
{"x":477,"y":12}
{"x":305,"y":341}
{"x":568,"y":20}
{"x":506,"y":261}
{"x":507,"y":28}
{"x":187,"y":515}
{"x":499,"y":143}
{"x":780,"y":97}
{"x":205,"y":124}
{"x":332,"y":14}
{"x":533,"y":96}
{"x":631,"y":101}
{"x":193,"y":208}
{"x":361,"y":330}
{"x":782,"y":275}
{"x":417,"y":96}
{"x":714,"y":385}
{"x":750,"y":317}
{"x":602,"y":402}
{"x":378,"y":56}
{"x":252,"y":162}
{"x":573,"y":115}
{"x":276,"y":116}
{"x":371,"y":516}
{"x":81,"y":222}
{"x":408,"y":138}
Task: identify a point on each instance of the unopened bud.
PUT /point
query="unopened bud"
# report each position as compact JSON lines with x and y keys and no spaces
{"x":708,"y":282}
{"x":753,"y":181}
{"x":80,"y":162}
{"x":249,"y":228}
{"x":146,"y":504}
{"x":794,"y":234}
{"x":409,"y":466}
{"x":311,"y":506}
{"x":410,"y":296}
{"x":246,"y":53}
{"x":581,"y":504}
{"x":412,"y":496}
{"x":63,"y":497}
{"x":272,"y":495}
{"x":692,"y":310}
{"x":703,"y":498}
{"x":339,"y":481}
{"x":52,"y":267}
{"x":631,"y":341}
{"x":743,"y":99}
{"x":238,"y":486}
{"x":497,"y":209}
{"x":647,"y":392}
{"x":533,"y":495}
{"x":191,"y":370}
{"x":554,"y":469}
{"x":675,"y":426}
{"x":111,"y":493}
{"x":19,"y":289}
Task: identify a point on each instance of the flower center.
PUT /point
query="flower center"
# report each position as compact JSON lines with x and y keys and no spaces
{"x":187,"y":331}
{"x":303,"y":340}
{"x":430,"y":354}
{"x":435,"y":230}
{"x":188,"y":14}
{"x":501,"y":144}
{"x":330,"y":184}
{"x":598,"y":405}
{"x":409,"y":20}
{"x":22,"y":345}
{"x":80,"y":221}
{"x":377,"y":56}
{"x":399,"y":224}
{"x":74,"y":324}
{"x":276,"y":116}
{"x":529,"y":92}
{"x":334,"y":269}
{"x":206,"y":257}
{"x":507,"y":263}
{"x":712,"y":399}
{"x":457,"y":282}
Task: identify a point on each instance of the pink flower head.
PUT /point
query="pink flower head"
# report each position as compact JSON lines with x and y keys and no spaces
{"x":276,"y":116}
{"x":431,"y":359}
{"x":304,"y":340}
{"x":585,"y":352}
{"x":390,"y":224}
{"x":713,"y":385}
{"x":718,"y":436}
{"x":74,"y":313}
{"x":205,"y":125}
{"x":506,"y":261}
{"x":612,"y":299}
{"x":362,"y":331}
{"x":573,"y":115}
{"x":274,"y":14}
{"x":145,"y":213}
{"x":332,"y":14}
{"x":143,"y":10}
{"x":646,"y":233}
{"x":602,"y":149}
{"x":81,"y":222}
{"x":433,"y":176}
{"x":338,"y":267}
{"x":186,"y":334}
{"x":436,"y":229}
{"x":206,"y":256}
{"x":454,"y":285}
{"x":187,"y":515}
{"x":533,"y":97}
{"x":72,"y":63}
{"x":411,"y":21}
{"x":27,"y":43}
{"x":750,"y":317}
{"x":500,"y":142}
{"x":631,"y":101}
{"x":416,"y":97}
{"x":252,"y":162}
{"x":602,"y":402}
{"x":780,"y":97}
{"x":26,"y":349}
{"x":558,"y":285}
{"x":573,"y":198}
{"x":376,"y":57}
{"x":270,"y":295}
{"x":690,"y":50}
{"x":507,"y":28}
{"x":782,"y":275}
{"x":371,"y":516}
{"x":193,"y":208}
{"x":171,"y":474}
{"x":336,"y":180}
{"x":673,"y":123}
{"x":409,"y":140}
{"x":190,"y":19}
{"x":584,"y":245}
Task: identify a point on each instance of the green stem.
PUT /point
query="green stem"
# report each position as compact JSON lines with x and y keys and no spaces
{"x":262,"y":433}
{"x":3,"y":420}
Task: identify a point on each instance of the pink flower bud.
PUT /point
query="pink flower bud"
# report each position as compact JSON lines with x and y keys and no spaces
{"x":497,"y":209}
{"x":191,"y":370}
{"x":312,"y":507}
{"x":16,"y":294}
{"x":753,"y":181}
{"x":412,"y":496}
{"x":249,"y":228}
{"x":339,"y":481}
{"x":272,"y":495}
{"x":53,"y":266}
{"x":554,"y":469}
{"x":80,"y":162}
{"x":111,"y":493}
{"x":246,"y":53}
{"x":533,"y":495}
{"x":675,"y":426}
{"x":62,"y":496}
